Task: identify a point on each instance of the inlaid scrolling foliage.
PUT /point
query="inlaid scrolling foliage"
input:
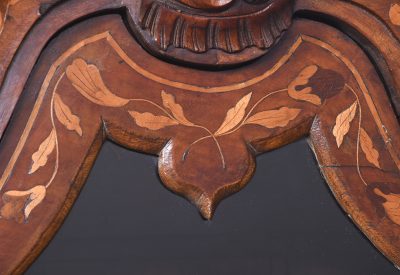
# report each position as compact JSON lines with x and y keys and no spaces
{"x":343,"y":125}
{"x":87,"y":80}
{"x":221,"y":120}
{"x":19,"y":204}
{"x":344,"y":122}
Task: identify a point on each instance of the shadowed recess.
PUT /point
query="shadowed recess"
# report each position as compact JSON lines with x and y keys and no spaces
{"x":284,"y":222}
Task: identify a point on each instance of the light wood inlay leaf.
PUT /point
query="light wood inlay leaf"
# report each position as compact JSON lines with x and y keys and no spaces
{"x":234,"y":115}
{"x":65,"y":116}
{"x":87,"y":80}
{"x":392,"y":205}
{"x":274,"y":118}
{"x":343,"y":121}
{"x":367,"y":146}
{"x":394,"y":14}
{"x":40,"y":157}
{"x":38,"y":193}
{"x":175,"y":108}
{"x":152,"y":122}
{"x":301,"y":80}
{"x":18,"y":205}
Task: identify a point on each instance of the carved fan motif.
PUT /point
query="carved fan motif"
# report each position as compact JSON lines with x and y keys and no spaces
{"x":169,"y":29}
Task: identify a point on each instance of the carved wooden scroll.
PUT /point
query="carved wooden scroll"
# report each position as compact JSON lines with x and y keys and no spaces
{"x":206,"y":86}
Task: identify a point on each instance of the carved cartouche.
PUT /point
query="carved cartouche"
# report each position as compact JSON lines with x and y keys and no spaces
{"x":211,"y":32}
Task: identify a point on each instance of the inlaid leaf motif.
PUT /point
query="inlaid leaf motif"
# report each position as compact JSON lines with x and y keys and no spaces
{"x":392,"y":205}
{"x":301,"y":80}
{"x":234,"y":115}
{"x":152,"y":122}
{"x":18,"y":205}
{"x":343,"y":121}
{"x":175,"y":108}
{"x":394,"y":14}
{"x":274,"y":118}
{"x":87,"y":80}
{"x":40,"y":157}
{"x":65,"y":116}
{"x":367,"y":146}
{"x":38,"y":193}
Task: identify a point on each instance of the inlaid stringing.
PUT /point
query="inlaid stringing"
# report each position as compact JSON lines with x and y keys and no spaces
{"x":206,"y":86}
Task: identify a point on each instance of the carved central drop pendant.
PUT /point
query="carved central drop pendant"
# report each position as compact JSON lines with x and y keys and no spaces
{"x":206,"y":86}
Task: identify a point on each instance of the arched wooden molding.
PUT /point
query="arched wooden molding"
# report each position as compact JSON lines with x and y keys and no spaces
{"x":94,"y":81}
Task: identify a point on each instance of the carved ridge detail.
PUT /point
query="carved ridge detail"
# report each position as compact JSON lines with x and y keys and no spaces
{"x":302,"y":77}
{"x":200,"y":34}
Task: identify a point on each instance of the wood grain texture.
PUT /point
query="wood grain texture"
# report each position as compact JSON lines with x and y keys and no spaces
{"x":357,"y":21}
{"x":206,"y":124}
{"x":174,"y":31}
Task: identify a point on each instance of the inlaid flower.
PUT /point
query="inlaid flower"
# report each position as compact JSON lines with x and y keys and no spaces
{"x":18,"y":205}
{"x":87,"y":80}
{"x":302,"y":79}
{"x":314,"y":85}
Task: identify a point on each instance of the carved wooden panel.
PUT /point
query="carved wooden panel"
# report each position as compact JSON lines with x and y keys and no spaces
{"x":206,"y":86}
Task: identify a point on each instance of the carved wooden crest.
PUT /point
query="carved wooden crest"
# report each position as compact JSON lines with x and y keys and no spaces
{"x":206,"y":86}
{"x":213,"y":33}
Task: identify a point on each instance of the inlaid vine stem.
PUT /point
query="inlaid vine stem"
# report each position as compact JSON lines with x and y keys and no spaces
{"x":194,"y":125}
{"x":187,"y":151}
{"x":55,"y":129}
{"x":358,"y":134}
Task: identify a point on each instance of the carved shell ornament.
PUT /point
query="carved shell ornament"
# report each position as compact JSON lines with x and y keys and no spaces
{"x":224,"y":31}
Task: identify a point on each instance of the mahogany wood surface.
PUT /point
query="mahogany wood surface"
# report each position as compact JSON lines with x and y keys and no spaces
{"x":204,"y":85}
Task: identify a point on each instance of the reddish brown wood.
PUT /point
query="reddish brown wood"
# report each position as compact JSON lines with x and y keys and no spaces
{"x":79,"y":84}
{"x":357,"y":22}
{"x":178,"y":32}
